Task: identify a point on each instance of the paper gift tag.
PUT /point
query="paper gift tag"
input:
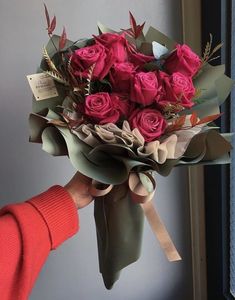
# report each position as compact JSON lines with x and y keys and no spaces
{"x":42,"y":86}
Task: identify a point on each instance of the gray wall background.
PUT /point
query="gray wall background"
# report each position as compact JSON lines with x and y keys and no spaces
{"x":71,"y":271}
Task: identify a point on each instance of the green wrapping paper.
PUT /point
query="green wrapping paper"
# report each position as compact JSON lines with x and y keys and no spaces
{"x":119,"y":227}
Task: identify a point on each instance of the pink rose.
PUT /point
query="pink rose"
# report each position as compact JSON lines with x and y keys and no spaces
{"x":149,"y":122}
{"x":84,"y":58}
{"x":144,"y":88}
{"x":183,"y":60}
{"x":176,"y":89}
{"x":104,"y":108}
{"x":116,"y":42}
{"x":120,"y":76}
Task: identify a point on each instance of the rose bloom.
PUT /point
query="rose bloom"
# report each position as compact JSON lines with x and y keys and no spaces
{"x":144,"y":88}
{"x":176,"y":89}
{"x":116,"y":42}
{"x":105,"y":108}
{"x":84,"y":58}
{"x":121,"y":75}
{"x":183,"y":60}
{"x":123,"y":51}
{"x":138,"y":58}
{"x":150,"y":123}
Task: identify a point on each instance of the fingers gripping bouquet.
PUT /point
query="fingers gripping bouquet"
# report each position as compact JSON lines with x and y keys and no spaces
{"x":122,"y":105}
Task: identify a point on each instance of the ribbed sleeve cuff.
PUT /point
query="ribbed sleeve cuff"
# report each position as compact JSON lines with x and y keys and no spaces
{"x":59,"y":213}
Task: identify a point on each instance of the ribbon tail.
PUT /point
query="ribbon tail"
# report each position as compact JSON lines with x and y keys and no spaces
{"x":160,"y":231}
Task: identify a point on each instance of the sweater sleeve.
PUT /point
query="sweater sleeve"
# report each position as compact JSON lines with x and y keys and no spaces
{"x":28,"y":231}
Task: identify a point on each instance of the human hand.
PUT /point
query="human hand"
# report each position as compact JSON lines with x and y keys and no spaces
{"x":78,"y":188}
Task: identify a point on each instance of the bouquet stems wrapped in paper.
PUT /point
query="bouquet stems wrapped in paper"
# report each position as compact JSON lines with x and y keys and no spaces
{"x":122,"y":105}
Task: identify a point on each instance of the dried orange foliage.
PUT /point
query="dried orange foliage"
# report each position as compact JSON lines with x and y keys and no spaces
{"x":178,"y":123}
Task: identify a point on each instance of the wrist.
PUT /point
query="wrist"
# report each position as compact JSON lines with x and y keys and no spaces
{"x":78,"y":188}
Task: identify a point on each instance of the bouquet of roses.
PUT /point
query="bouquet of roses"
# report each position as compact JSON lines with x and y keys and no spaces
{"x":122,"y":105}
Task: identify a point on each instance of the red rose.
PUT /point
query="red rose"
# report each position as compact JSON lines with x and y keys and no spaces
{"x":122,"y":50}
{"x":176,"y":88}
{"x":137,"y":58}
{"x":183,"y":60}
{"x":84,"y":58}
{"x":122,"y":104}
{"x":120,"y":76}
{"x":116,"y":42}
{"x":149,"y":122}
{"x":144,"y":88}
{"x":104,"y":108}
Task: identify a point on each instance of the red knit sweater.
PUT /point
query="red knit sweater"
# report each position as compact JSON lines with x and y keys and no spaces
{"x":28,"y":231}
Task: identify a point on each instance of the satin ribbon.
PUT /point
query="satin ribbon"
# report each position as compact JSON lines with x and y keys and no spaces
{"x":98,"y":189}
{"x":160,"y":232}
{"x":143,"y":194}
